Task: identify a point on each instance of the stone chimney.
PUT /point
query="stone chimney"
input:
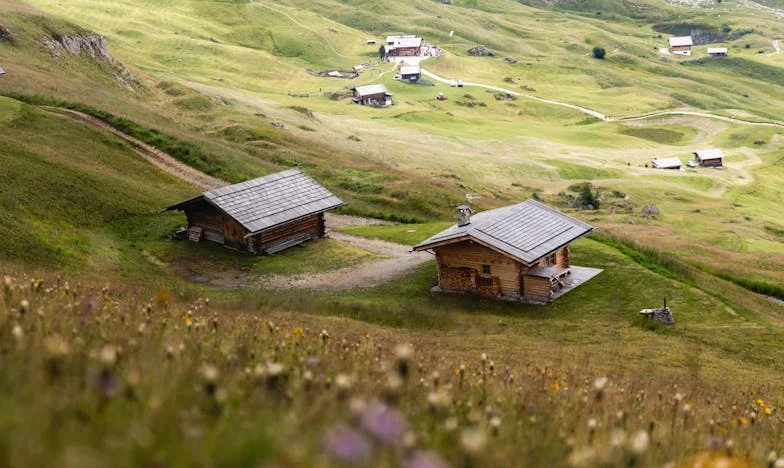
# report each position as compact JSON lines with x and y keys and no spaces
{"x":463,"y":215}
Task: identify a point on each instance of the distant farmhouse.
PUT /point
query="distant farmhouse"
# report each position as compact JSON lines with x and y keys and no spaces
{"x":667,"y":163}
{"x":516,"y":252}
{"x":410,"y":73}
{"x":264,"y":215}
{"x":681,"y":45}
{"x":718,"y":51}
{"x":372,"y":95}
{"x":709,"y":158}
{"x":407,"y":45}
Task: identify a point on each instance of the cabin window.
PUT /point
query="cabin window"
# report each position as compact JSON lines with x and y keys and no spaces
{"x":549,"y":260}
{"x":485,"y":269}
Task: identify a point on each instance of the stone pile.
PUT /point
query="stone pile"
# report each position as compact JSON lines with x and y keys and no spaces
{"x":662,"y":314}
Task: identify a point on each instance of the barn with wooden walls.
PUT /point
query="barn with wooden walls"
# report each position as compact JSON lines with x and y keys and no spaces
{"x":264,"y":215}
{"x":517,"y":252}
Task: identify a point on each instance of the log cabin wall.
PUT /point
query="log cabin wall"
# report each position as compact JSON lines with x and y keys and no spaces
{"x":313,"y":225}
{"x":234,"y":234}
{"x":460,"y":266}
{"x":536,"y":287}
{"x":562,"y":257}
{"x":202,"y":214}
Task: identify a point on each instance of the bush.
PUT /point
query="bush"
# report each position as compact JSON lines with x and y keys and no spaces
{"x":599,"y":52}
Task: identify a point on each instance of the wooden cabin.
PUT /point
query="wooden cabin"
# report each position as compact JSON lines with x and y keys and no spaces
{"x":519,"y":251}
{"x":2,"y":72}
{"x":410,"y":73}
{"x":718,"y":52}
{"x":709,"y":158}
{"x":376,"y":94}
{"x":667,"y":163}
{"x":681,"y":45}
{"x":264,"y":215}
{"x":406,"y":45}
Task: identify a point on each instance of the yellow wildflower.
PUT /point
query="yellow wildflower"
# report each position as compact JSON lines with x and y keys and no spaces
{"x":767,"y":410}
{"x":188,"y":321}
{"x":555,"y":387}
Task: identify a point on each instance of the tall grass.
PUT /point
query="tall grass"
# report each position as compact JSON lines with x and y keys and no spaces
{"x":125,"y":377}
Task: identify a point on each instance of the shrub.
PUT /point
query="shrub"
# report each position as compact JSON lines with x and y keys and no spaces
{"x":599,"y":52}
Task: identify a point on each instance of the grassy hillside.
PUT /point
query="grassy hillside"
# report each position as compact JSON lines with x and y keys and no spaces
{"x":415,"y":160}
{"x":115,"y":356}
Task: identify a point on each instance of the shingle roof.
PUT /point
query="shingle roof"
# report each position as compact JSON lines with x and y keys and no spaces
{"x":409,"y":70}
{"x":368,"y":90}
{"x":715,"y":153}
{"x":665,"y":163}
{"x":268,"y":201}
{"x":526,"y":231}
{"x":717,"y":50}
{"x":681,"y":41}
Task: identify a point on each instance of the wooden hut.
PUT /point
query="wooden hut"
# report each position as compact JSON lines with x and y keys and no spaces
{"x":264,"y":215}
{"x":681,"y":45}
{"x":709,"y":158}
{"x":376,"y":94}
{"x":2,"y":72}
{"x":718,"y":52}
{"x":519,"y":251}
{"x":410,"y":73}
{"x":667,"y":163}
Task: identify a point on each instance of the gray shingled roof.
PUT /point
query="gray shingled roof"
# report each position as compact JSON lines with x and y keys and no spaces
{"x":369,"y":90}
{"x":527,"y":231}
{"x":268,"y":201}
{"x":715,"y":153}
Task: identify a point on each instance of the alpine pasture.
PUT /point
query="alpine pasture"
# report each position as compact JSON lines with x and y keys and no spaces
{"x":122,"y":346}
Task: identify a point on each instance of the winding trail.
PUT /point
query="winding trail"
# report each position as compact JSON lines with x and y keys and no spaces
{"x":599,"y":115}
{"x":155,"y":156}
{"x":399,"y":262}
{"x":326,"y":39}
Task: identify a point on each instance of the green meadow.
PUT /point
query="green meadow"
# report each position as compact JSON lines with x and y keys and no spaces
{"x":231,"y":88}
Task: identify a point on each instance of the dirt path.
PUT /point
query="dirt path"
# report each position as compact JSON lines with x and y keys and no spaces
{"x":399,"y":264}
{"x":326,"y":39}
{"x":601,"y":116}
{"x":584,"y":110}
{"x":155,"y":156}
{"x":360,"y":276}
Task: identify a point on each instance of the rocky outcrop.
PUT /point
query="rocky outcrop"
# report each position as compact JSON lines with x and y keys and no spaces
{"x":480,"y":51}
{"x":88,"y":45}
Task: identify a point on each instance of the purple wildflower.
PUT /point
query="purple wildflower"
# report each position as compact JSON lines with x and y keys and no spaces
{"x":347,"y":445}
{"x":384,"y":422}
{"x":425,"y":460}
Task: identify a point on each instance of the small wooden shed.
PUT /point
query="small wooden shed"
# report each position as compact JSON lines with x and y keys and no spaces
{"x":681,"y":45}
{"x":519,"y":251}
{"x":2,"y":72}
{"x":264,"y":215}
{"x":718,"y":51}
{"x":667,"y":163}
{"x":376,"y":94}
{"x":709,"y":158}
{"x":410,"y":73}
